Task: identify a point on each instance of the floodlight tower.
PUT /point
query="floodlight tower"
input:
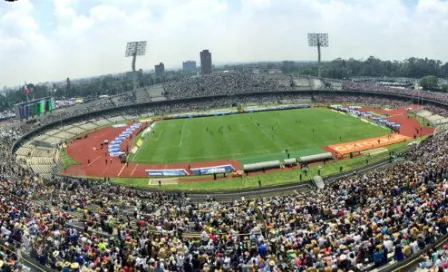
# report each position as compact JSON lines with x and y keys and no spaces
{"x":318,"y":40}
{"x":134,"y":49}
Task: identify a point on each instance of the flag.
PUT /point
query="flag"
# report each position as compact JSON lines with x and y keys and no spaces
{"x":26,"y":90}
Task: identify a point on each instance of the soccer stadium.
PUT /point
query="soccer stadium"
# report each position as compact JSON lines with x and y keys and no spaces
{"x":351,"y":178}
{"x":230,"y":142}
{"x":223,"y":136}
{"x":180,"y":149}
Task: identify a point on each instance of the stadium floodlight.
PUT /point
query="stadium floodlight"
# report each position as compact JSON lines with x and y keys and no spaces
{"x":134,"y":49}
{"x":318,"y":40}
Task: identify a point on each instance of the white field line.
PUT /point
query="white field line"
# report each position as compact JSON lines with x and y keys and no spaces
{"x":181,"y":134}
{"x":279,"y":147}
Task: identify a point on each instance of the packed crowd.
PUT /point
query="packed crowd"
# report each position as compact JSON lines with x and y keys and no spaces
{"x":223,"y":84}
{"x":442,"y":97}
{"x":84,"y":225}
{"x":236,"y":83}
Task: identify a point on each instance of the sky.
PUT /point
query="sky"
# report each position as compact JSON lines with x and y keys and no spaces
{"x":50,"y":40}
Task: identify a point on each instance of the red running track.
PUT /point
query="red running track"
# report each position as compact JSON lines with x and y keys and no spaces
{"x":88,"y":149}
{"x":409,"y":125}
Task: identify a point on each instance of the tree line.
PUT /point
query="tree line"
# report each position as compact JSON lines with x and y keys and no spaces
{"x":373,"y":67}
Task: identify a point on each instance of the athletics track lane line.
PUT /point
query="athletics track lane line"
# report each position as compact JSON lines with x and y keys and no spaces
{"x":121,"y":171}
{"x":94,"y":160}
{"x":133,"y":170}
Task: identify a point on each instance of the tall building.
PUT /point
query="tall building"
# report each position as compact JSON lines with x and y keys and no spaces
{"x":189,"y":66}
{"x":160,"y":69}
{"x":206,"y":62}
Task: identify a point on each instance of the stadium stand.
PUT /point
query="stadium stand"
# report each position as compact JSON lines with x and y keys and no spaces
{"x":442,"y":97}
{"x":223,"y":84}
{"x":368,"y":221}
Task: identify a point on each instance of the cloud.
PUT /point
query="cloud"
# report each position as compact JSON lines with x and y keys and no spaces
{"x":89,"y":37}
{"x":104,"y":13}
{"x":17,"y":20}
{"x":21,"y":43}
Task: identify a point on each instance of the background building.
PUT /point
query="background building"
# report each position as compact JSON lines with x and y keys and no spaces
{"x":160,"y":69}
{"x":206,"y":62}
{"x":189,"y":66}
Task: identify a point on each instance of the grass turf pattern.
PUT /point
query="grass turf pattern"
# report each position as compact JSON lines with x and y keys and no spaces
{"x":251,"y":137}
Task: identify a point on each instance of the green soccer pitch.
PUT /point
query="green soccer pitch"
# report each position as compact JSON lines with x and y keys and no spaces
{"x":250,"y":137}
